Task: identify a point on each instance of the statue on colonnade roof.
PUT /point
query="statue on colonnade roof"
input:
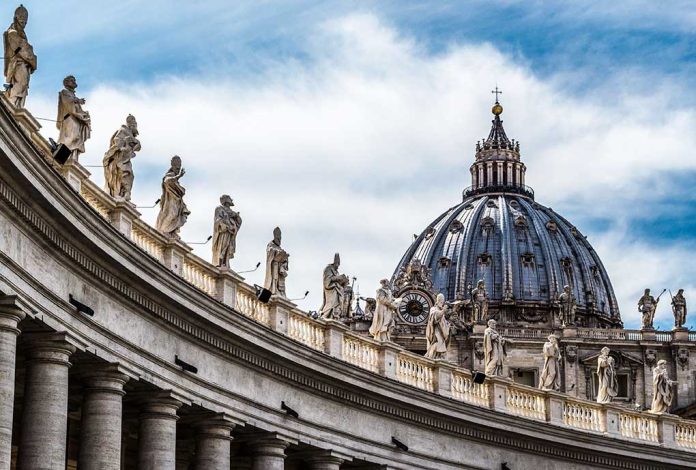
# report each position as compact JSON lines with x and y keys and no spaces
{"x":20,"y":60}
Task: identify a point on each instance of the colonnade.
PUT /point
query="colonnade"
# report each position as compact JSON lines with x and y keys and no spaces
{"x":41,"y":441}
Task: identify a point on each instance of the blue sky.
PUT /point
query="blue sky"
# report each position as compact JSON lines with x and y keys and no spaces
{"x":352,"y":124}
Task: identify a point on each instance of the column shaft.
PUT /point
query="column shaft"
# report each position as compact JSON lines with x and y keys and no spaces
{"x":45,"y":404}
{"x":213,"y":449}
{"x":157,"y":434}
{"x":102,"y":417}
{"x":269,"y":453}
{"x":10,"y":316}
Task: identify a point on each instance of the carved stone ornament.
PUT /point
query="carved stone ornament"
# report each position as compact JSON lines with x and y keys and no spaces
{"x":414,"y":275}
{"x":528,"y":260}
{"x":444,"y":261}
{"x":650,"y":357}
{"x":478,"y":350}
{"x":430,"y":233}
{"x":551,"y":226}
{"x":456,"y":226}
{"x":521,"y":221}
{"x":571,"y":353}
{"x":683,"y":358}
{"x":484,"y":259}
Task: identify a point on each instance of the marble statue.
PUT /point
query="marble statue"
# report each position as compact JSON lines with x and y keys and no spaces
{"x":72,"y":121}
{"x":662,"y":388}
{"x":334,"y":290}
{"x":568,"y":307}
{"x":370,"y":307}
{"x":647,"y":306}
{"x":437,"y":331}
{"x":608,"y":387}
{"x":550,"y":378}
{"x":173,"y":211}
{"x":479,"y":301}
{"x":494,"y":350}
{"x":118,"y":169}
{"x":276,"y":265}
{"x":20,"y":60}
{"x":347,"y":306}
{"x":679,"y":309}
{"x":225,"y":228}
{"x":383,"y":320}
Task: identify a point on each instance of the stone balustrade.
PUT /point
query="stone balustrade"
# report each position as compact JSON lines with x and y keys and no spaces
{"x":536,"y":333}
{"x":305,"y":330}
{"x":583,"y":415}
{"x":638,"y":426}
{"x":361,"y":352}
{"x":197,"y":273}
{"x":464,"y":389}
{"x":249,"y":305}
{"x":685,"y":435}
{"x":529,"y":403}
{"x":415,"y":370}
{"x":152,"y":243}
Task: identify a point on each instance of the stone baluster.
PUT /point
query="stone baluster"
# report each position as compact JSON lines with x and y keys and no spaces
{"x":102,"y":417}
{"x":268,"y":452}
{"x":213,"y":448}
{"x":157,"y":432}
{"x":10,"y":316}
{"x":45,"y":403}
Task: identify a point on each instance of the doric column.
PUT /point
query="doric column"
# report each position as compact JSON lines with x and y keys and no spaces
{"x":268,"y":452}
{"x":45,"y":403}
{"x":213,"y":448}
{"x":10,"y":316}
{"x":102,"y":416}
{"x":324,"y":460}
{"x":157,"y":432}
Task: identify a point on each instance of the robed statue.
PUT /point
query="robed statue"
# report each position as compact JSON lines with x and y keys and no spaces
{"x":550,"y":378}
{"x":384,"y":318}
{"x":276,"y":265}
{"x":225,"y":228}
{"x":20,"y":60}
{"x":334,"y":290}
{"x":437,"y":331}
{"x":173,"y":211}
{"x":647,"y":305}
{"x":608,"y":386}
{"x":479,"y":302}
{"x":679,"y":309}
{"x":73,"y":122}
{"x":568,"y":307}
{"x":662,"y":388}
{"x":494,"y":350}
{"x":118,"y":169}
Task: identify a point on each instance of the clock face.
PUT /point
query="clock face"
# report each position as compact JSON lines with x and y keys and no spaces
{"x":415,"y":307}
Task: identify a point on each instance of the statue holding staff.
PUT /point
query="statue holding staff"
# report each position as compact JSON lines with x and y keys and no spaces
{"x":225,"y":228}
{"x":647,"y":305}
{"x":334,"y":290}
{"x":277,"y":263}
{"x":679,"y":309}
{"x":20,"y":60}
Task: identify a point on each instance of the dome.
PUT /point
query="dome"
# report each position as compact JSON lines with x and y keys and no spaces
{"x":524,"y":252}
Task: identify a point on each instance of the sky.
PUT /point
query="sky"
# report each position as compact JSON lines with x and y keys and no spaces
{"x":352,"y":124}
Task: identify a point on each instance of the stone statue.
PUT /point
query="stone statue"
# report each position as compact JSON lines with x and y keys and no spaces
{"x":479,"y":301}
{"x":437,"y":332}
{"x":334,"y":290}
{"x":276,"y":265}
{"x":20,"y":60}
{"x":679,"y":309}
{"x":550,"y":378}
{"x":568,"y":307}
{"x":647,"y":306}
{"x":608,"y":387}
{"x":383,"y":320}
{"x":173,"y":211}
{"x":347,"y":306}
{"x":118,"y":169}
{"x":73,"y":122}
{"x":662,"y":388}
{"x":370,"y":306}
{"x":494,"y":350}
{"x":225,"y":228}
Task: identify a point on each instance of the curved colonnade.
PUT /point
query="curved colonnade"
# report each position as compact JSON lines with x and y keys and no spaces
{"x":101,"y":317}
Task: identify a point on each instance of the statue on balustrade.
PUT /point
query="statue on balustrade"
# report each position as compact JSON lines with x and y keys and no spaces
{"x":437,"y":331}
{"x":347,"y":311}
{"x":384,"y":318}
{"x":73,"y":122}
{"x":550,"y":378}
{"x":277,"y":264}
{"x":494,"y":350}
{"x":334,"y":290}
{"x":173,"y":211}
{"x":679,"y":309}
{"x":662,"y":388}
{"x":608,"y":387}
{"x":568,"y":307}
{"x":647,"y":306}
{"x":225,"y":228}
{"x":118,"y":169}
{"x":479,"y":302}
{"x":20,"y":60}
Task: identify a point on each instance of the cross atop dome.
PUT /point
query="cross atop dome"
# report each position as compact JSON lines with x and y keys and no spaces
{"x":497,"y":92}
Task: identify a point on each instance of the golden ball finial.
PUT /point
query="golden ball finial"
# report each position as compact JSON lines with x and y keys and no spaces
{"x":497,"y":109}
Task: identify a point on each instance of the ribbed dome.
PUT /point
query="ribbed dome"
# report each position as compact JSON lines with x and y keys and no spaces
{"x":524,"y":252}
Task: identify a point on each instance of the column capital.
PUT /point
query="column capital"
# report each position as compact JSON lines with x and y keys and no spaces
{"x":323,"y":457}
{"x":269,"y":444}
{"x":105,"y":377}
{"x":217,"y":425}
{"x":159,"y":405}
{"x":11,"y":313}
{"x":48,"y":347}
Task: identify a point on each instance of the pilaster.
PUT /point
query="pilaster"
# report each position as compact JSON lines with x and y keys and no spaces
{"x":333,"y":338}
{"x":388,"y":353}
{"x":226,"y":286}
{"x":122,"y":216}
{"x":75,"y":174}
{"x":175,"y":252}
{"x":279,"y":309}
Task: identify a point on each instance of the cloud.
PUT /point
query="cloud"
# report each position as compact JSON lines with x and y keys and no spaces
{"x":370,"y":138}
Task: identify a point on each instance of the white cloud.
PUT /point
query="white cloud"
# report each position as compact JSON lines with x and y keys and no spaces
{"x":371,"y":138}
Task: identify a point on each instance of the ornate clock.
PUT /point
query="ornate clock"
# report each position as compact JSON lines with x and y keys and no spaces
{"x":415,"y":307}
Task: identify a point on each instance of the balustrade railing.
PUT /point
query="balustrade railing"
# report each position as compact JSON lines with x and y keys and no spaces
{"x":306,"y":331}
{"x":93,"y":198}
{"x":360,"y":352}
{"x":147,"y":242}
{"x":637,"y":426}
{"x":536,"y":333}
{"x":664,"y":336}
{"x":249,"y":305}
{"x":527,"y":403}
{"x":601,"y":333}
{"x":464,"y":389}
{"x":199,"y":275}
{"x":414,"y":370}
{"x":685,"y":435}
{"x":583,"y":416}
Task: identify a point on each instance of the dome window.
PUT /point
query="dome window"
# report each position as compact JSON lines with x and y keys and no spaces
{"x":514,"y":204}
{"x":429,"y":233}
{"x":456,"y":226}
{"x":484,"y":259}
{"x":444,"y":262}
{"x":492,"y":204}
{"x":520,"y":221}
{"x":487,"y":224}
{"x":468,"y":207}
{"x":528,"y":260}
{"x":551,"y":226}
